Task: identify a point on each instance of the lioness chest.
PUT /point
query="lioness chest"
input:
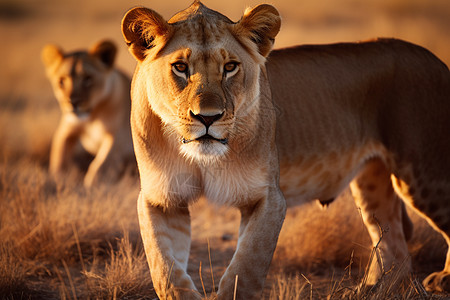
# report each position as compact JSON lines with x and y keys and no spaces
{"x":232,"y":185}
{"x":92,"y":135}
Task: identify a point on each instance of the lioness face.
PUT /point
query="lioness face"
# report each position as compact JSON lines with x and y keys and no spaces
{"x":79,"y":78}
{"x":199,"y":92}
{"x":200,"y":74}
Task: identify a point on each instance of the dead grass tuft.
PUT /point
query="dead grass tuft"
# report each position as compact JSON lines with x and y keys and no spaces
{"x":13,"y":274}
{"x":124,"y":275}
{"x":289,"y":288}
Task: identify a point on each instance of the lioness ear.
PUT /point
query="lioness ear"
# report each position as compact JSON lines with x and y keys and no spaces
{"x":144,"y":29}
{"x":260,"y":25}
{"x":105,"y":51}
{"x":51,"y":54}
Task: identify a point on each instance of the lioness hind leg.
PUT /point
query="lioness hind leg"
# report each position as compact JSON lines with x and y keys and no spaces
{"x":440,"y":281}
{"x":432,"y":204}
{"x":386,"y":220}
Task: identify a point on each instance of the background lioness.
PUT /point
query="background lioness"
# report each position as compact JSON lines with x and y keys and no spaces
{"x":95,"y":102}
{"x":204,"y":123}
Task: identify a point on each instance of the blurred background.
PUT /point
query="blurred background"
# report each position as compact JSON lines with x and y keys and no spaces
{"x":27,"y":25}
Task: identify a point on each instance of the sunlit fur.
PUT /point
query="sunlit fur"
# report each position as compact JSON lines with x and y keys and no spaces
{"x":305,"y":120}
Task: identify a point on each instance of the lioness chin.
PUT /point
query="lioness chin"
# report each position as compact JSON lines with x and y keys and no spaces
{"x":215,"y":116}
{"x":94,"y":98}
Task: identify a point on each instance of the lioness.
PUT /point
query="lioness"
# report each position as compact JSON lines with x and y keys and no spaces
{"x":95,"y":102}
{"x":205,"y":97}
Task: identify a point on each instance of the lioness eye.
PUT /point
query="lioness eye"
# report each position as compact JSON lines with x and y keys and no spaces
{"x":87,"y":80}
{"x":180,"y":67}
{"x":230,"y":67}
{"x":61,"y":82}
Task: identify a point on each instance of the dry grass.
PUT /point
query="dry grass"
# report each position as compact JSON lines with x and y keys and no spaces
{"x":77,"y":242}
{"x":300,"y":287}
{"x":61,"y":241}
{"x":123,"y":275}
{"x":13,"y":273}
{"x":58,"y":240}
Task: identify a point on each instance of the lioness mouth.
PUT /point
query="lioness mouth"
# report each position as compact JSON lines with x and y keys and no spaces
{"x":205,"y":137}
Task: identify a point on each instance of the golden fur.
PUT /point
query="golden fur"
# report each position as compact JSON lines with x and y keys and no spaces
{"x":214,"y":115}
{"x":95,"y":102}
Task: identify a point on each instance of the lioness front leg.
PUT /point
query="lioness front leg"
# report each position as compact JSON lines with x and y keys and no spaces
{"x":100,"y":160}
{"x":166,"y":237}
{"x":258,"y":235}
{"x":63,"y":143}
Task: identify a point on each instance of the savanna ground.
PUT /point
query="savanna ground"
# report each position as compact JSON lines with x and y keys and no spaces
{"x":58,"y":240}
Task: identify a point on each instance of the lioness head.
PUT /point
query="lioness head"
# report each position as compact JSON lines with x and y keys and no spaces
{"x":200,"y":73}
{"x":79,"y":78}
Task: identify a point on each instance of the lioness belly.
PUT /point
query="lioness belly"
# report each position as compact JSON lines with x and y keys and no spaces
{"x":325,"y":175}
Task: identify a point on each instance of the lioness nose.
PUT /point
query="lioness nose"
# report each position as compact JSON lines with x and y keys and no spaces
{"x":76,"y":101}
{"x":206,"y":120}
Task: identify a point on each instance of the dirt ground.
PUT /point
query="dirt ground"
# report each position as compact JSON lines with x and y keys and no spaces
{"x":323,"y":245}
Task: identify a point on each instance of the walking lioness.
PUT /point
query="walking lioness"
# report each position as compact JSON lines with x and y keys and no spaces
{"x":214,"y":115}
{"x":95,"y":102}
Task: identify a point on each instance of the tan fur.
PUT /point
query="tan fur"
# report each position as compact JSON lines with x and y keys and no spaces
{"x":95,"y":102}
{"x":306,"y":122}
